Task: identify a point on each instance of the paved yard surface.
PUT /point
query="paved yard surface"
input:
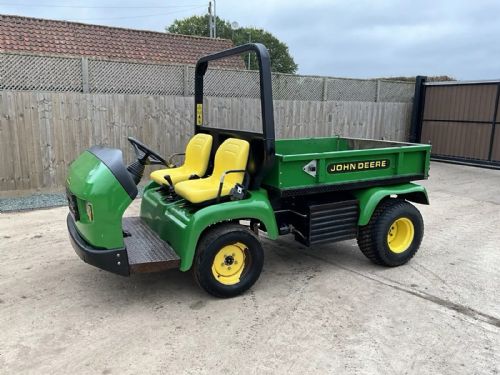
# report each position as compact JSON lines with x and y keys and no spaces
{"x":321,"y":310}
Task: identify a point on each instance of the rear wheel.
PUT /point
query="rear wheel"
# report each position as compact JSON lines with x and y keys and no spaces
{"x":229,"y":259}
{"x":393,"y":235}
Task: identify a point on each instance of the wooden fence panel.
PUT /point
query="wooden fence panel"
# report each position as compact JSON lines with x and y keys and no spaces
{"x":42,"y":132}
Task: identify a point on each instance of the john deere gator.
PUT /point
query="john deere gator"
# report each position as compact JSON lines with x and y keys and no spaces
{"x":206,"y":214}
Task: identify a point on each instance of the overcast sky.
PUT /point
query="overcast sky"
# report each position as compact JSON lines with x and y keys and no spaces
{"x":364,"y":39}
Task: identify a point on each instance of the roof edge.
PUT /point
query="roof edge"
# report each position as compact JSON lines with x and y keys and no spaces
{"x":113,"y":27}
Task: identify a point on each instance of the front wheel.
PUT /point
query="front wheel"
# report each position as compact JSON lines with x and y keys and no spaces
{"x":229,"y":259}
{"x":393,"y":234}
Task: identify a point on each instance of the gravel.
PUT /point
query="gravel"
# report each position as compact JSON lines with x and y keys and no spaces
{"x":31,"y":202}
{"x":38,"y":200}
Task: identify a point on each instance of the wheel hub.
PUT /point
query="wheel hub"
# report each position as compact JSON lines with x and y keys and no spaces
{"x":229,"y":260}
{"x":400,"y":235}
{"x":229,"y":263}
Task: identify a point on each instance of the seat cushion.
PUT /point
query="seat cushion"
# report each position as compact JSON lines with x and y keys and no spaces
{"x":176,"y":174}
{"x":203,"y":189}
{"x":196,"y":161}
{"x":198,"y":153}
{"x":232,"y":154}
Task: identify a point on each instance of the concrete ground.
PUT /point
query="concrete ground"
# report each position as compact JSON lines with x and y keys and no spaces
{"x":323,"y":310}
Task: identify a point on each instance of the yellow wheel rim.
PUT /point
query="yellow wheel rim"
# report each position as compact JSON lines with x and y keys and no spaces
{"x":400,"y":235}
{"x":229,"y":263}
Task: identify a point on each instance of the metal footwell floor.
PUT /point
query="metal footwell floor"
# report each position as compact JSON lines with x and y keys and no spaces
{"x":146,"y":251}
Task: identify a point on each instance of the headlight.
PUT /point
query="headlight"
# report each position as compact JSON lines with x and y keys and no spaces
{"x":89,"y":210}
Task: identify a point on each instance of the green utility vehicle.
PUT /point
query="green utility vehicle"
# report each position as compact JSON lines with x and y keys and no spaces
{"x":206,"y":215}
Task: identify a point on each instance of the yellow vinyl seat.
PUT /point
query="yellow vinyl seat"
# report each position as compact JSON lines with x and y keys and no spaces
{"x":195,"y":162}
{"x":231,"y":155}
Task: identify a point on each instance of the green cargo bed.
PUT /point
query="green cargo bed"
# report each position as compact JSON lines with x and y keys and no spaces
{"x":314,"y":165}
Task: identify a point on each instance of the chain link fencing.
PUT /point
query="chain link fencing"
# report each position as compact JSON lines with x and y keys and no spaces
{"x":87,"y":75}
{"x":41,"y":73}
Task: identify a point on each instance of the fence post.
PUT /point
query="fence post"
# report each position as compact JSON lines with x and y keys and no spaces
{"x":85,"y":75}
{"x":377,"y":95}
{"x":276,"y":85}
{"x":185,"y":76}
{"x":494,"y":124}
{"x":417,"y":110}
{"x":325,"y":89}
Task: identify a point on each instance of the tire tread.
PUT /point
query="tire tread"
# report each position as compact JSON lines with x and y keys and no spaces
{"x":372,"y":230}
{"x":211,"y":235}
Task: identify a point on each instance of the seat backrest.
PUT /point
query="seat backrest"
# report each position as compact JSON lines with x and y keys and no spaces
{"x":198,"y":153}
{"x":231,"y":154}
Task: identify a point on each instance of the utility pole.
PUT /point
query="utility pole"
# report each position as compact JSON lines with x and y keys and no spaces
{"x":214,"y":22}
{"x":210,"y":20}
{"x":249,"y":41}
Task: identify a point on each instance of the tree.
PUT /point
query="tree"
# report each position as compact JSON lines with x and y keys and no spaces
{"x":281,"y":60}
{"x":428,"y":78}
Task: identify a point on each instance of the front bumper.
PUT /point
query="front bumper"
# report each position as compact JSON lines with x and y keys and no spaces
{"x":115,"y":260}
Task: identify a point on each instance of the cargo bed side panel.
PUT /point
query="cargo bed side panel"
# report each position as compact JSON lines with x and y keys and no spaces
{"x":304,"y":169}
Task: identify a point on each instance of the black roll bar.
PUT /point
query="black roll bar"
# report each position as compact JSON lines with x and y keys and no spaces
{"x":262,"y":145}
{"x":266,"y":95}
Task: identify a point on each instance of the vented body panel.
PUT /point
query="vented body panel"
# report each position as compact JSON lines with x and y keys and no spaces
{"x":329,"y":222}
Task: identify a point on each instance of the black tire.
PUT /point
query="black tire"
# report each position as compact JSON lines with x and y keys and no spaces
{"x":209,"y":246}
{"x":373,"y":240}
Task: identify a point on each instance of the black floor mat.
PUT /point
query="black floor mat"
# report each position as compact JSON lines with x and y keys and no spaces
{"x":146,"y":251}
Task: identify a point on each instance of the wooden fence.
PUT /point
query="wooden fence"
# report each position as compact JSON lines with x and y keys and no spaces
{"x":42,"y":132}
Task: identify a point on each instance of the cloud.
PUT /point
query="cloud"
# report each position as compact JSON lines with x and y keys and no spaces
{"x":357,"y":38}
{"x":384,"y":38}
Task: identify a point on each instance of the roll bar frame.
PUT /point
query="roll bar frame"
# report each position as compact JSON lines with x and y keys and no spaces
{"x":267,"y":137}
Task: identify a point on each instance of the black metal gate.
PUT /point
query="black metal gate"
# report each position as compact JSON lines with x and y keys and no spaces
{"x":459,"y":119}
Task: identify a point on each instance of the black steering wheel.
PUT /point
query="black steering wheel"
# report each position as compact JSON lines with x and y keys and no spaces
{"x":144,"y":154}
